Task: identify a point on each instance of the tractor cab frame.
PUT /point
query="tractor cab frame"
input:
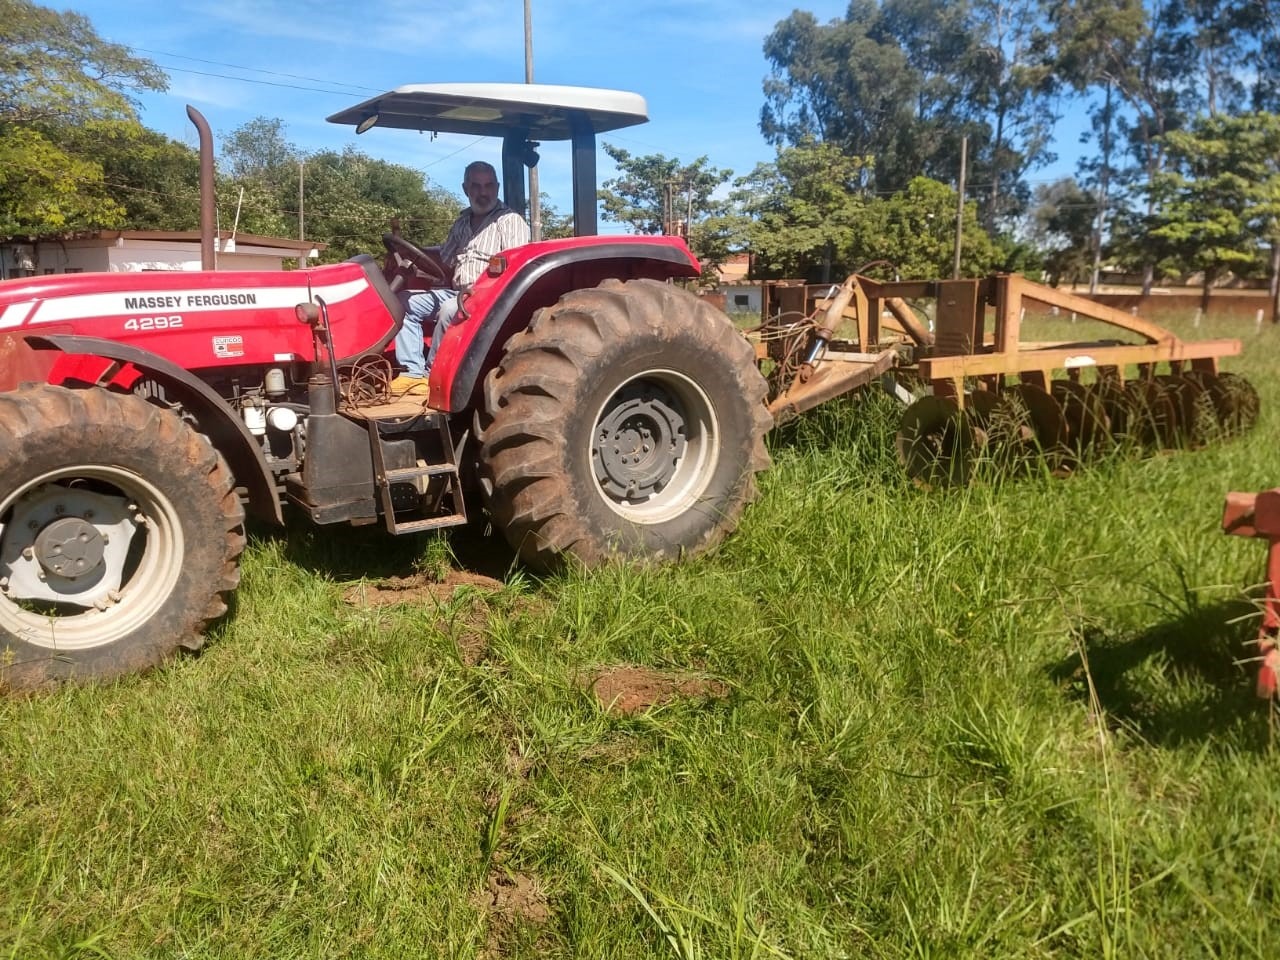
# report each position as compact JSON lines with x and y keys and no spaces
{"x":523,"y":115}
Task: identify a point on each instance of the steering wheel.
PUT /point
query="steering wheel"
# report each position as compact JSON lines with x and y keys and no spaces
{"x":410,"y":254}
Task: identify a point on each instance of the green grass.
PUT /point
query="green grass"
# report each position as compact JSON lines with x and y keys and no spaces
{"x":1003,"y":721}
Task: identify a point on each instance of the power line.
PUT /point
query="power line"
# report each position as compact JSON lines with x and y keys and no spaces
{"x":263,"y":83}
{"x":286,"y":86}
{"x":236,"y":66}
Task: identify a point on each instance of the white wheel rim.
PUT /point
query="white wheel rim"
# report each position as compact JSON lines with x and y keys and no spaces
{"x":654,"y":446}
{"x":146,"y":573}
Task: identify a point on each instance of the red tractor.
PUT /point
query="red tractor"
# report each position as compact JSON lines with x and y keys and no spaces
{"x":599,"y":410}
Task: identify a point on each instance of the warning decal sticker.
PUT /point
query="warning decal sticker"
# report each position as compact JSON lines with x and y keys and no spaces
{"x":224,"y":347}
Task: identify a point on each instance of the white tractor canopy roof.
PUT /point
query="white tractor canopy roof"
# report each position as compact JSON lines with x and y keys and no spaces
{"x":522,"y":114}
{"x":538,"y":111}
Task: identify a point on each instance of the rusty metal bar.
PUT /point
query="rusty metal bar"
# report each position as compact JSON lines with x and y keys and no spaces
{"x":835,"y":375}
{"x":1079,"y":355}
{"x":913,"y":327}
{"x":1092,"y":310}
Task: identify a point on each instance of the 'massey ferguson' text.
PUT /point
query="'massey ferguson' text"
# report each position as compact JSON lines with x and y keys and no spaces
{"x":176,"y":301}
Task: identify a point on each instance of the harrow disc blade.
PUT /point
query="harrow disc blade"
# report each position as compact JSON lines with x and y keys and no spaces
{"x":1197,"y":413}
{"x":936,"y":442}
{"x":978,"y":405}
{"x":1145,"y":414}
{"x":1235,"y":401}
{"x":1084,"y":414}
{"x":1184,"y":395}
{"x":1027,"y":426}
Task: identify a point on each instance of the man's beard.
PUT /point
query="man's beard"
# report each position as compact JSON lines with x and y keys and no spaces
{"x":481,"y":211}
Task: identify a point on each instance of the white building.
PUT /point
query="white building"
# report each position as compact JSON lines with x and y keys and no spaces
{"x":130,"y":251}
{"x":740,"y":294}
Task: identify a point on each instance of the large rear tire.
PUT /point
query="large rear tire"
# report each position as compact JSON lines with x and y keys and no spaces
{"x":120,"y":535}
{"x":627,"y":421}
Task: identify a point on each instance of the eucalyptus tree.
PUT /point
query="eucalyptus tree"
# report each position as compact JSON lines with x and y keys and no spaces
{"x":1140,"y":56}
{"x":905,"y":81}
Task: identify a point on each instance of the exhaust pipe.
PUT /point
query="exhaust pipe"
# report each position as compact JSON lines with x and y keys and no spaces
{"x":208,"y":258}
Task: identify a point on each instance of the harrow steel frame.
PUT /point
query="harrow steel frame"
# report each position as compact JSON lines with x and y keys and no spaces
{"x":991,"y":392}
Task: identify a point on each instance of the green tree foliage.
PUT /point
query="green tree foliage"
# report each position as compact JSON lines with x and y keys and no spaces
{"x":904,"y":81}
{"x":43,"y":189}
{"x":843,"y":82}
{"x":808,"y":214}
{"x":1140,"y":57}
{"x":349,"y":199}
{"x":805,"y":213}
{"x":59,"y":83}
{"x":155,"y":179}
{"x":352,"y":198}
{"x":656,"y":194}
{"x":1062,"y":219}
{"x":1216,"y":207}
{"x":258,"y":180}
{"x":258,"y":150}
{"x":915,"y":231}
{"x":555,"y":225}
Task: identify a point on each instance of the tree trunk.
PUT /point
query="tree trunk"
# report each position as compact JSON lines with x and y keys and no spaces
{"x":996,"y":152}
{"x":1103,"y":179}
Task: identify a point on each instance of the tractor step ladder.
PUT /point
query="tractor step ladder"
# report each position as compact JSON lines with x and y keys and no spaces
{"x":384,"y":478}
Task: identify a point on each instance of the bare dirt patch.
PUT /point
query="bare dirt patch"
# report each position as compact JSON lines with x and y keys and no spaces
{"x":468,"y":624}
{"x":415,"y":589}
{"x":629,"y":689}
{"x":508,"y":900}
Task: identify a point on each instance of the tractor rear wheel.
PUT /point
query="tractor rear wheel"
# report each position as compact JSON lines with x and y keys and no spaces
{"x":627,"y":421}
{"x":120,"y":535}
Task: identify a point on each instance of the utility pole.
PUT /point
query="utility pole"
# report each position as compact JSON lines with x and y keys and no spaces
{"x":688,"y":209}
{"x":964,"y":161}
{"x":302,"y":256}
{"x":535,"y":205}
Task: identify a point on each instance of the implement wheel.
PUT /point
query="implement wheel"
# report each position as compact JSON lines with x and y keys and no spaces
{"x":120,"y":535}
{"x":627,"y":421}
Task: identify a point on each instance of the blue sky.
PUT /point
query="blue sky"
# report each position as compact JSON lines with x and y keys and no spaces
{"x":698,"y":63}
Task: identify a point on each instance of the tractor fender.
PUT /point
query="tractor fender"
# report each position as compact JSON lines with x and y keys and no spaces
{"x":226,"y":431}
{"x":657,"y":262}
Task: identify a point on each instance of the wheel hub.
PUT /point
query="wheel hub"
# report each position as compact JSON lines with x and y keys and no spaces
{"x":70,"y":547}
{"x":66,"y":545}
{"x":639,"y":441}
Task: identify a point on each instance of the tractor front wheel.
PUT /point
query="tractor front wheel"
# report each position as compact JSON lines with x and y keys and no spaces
{"x":120,"y":535}
{"x":626,"y":421}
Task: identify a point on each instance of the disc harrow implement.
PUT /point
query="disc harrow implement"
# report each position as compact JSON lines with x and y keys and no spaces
{"x":984,"y":394}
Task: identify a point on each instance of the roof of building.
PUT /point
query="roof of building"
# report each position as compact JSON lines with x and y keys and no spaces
{"x":283,"y":244}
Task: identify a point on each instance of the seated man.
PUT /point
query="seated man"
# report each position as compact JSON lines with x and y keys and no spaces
{"x":487,"y":226}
